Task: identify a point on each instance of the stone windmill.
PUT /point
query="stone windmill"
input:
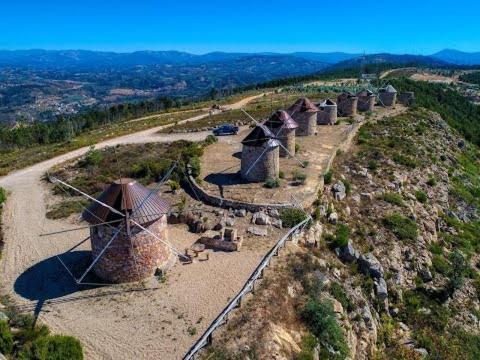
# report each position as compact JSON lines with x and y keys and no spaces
{"x":387,"y":95}
{"x":304,"y":112}
{"x":328,"y":112}
{"x":260,"y":153}
{"x":366,"y":100}
{"x":128,"y":232}
{"x":134,"y":254}
{"x":347,"y":104}
{"x":282,"y":124}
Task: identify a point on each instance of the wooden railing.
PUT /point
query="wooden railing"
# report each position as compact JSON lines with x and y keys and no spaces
{"x":206,"y":338}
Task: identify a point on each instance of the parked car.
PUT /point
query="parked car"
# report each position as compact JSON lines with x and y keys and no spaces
{"x":226,"y":129}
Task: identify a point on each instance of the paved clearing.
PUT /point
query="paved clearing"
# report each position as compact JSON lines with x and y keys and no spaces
{"x":119,"y":322}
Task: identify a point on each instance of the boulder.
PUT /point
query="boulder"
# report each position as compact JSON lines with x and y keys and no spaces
{"x":260,"y":218}
{"x":370,"y":265}
{"x":339,"y":190}
{"x":381,"y":289}
{"x":257,"y":231}
{"x":333,"y":218}
{"x":273,"y":213}
{"x":347,"y":253}
{"x":366,"y":196}
{"x":277,"y":223}
{"x":229,"y":222}
{"x":425,"y":274}
{"x":240,"y":212}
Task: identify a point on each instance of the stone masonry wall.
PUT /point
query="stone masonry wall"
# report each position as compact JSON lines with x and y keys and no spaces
{"x":348,"y":106}
{"x":129,"y":259}
{"x":388,"y":99}
{"x":307,"y":123}
{"x":328,"y":116}
{"x":287,"y":138}
{"x":267,"y":166}
{"x":366,"y":103}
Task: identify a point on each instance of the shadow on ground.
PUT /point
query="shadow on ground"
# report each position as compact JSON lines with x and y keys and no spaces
{"x":48,"y":282}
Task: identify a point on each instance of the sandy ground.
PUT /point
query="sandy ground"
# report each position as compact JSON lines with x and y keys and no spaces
{"x":106,"y":326}
{"x":144,"y":321}
{"x":221,"y":162}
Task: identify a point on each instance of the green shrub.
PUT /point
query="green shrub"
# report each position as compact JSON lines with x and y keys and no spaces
{"x":210,"y":139}
{"x":54,"y":347}
{"x":328,"y":177}
{"x":320,"y":319}
{"x":305,"y":163}
{"x":281,"y":174}
{"x":372,"y":165}
{"x":3,"y":195}
{"x":292,"y":216}
{"x":92,"y":157}
{"x":174,"y":185}
{"x":297,"y":147}
{"x":405,"y":161}
{"x":272,"y":183}
{"x":393,"y":198}
{"x":336,"y":290}
{"x":6,"y":338}
{"x":299,"y":177}
{"x":421,"y":196}
{"x":342,"y":235}
{"x":431,"y":181}
{"x":401,"y":226}
{"x":309,"y":342}
{"x":440,"y":265}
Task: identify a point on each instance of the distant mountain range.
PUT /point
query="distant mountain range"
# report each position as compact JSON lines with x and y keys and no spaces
{"x":95,"y":59}
{"x":100,"y":59}
{"x":458,"y":57}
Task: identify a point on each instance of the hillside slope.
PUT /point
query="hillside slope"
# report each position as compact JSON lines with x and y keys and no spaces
{"x":389,"y":270}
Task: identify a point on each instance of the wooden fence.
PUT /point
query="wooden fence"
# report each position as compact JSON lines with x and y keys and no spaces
{"x":222,"y":318}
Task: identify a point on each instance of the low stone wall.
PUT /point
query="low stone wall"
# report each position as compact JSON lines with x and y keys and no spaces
{"x":230,"y":204}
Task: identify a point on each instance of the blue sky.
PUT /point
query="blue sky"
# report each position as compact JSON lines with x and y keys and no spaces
{"x":418,"y":27}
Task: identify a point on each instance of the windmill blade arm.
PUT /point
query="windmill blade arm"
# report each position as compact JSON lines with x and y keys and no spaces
{"x":255,"y":162}
{"x":55,"y":180}
{"x":99,"y":256}
{"x":293,"y":156}
{"x":250,"y":116}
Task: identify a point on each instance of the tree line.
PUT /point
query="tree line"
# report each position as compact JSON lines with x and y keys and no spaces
{"x":65,"y":128}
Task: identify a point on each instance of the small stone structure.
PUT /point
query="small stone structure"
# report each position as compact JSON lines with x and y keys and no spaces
{"x":366,"y":100}
{"x":406,"y":98}
{"x":226,"y":240}
{"x":134,"y":254}
{"x":327,"y":114}
{"x":283,"y":127}
{"x":260,"y":155}
{"x":347,"y":104}
{"x":388,"y":96}
{"x":304,"y":112}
